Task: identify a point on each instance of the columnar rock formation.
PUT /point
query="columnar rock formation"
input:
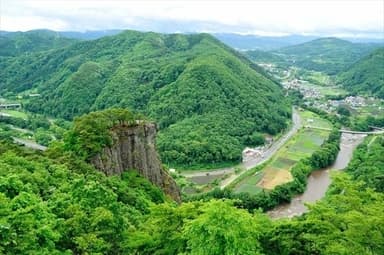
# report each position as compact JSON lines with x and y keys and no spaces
{"x":134,"y":148}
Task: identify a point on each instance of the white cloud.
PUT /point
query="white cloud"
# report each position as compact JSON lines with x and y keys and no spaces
{"x":268,"y":17}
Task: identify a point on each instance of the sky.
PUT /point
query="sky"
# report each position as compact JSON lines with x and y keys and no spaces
{"x":357,"y":18}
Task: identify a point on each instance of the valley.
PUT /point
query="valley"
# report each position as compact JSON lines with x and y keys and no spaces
{"x":150,"y":143}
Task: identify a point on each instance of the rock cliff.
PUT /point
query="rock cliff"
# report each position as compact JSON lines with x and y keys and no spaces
{"x":133,"y":147}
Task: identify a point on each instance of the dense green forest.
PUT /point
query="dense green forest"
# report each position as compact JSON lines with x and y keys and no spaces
{"x":329,"y":55}
{"x":54,"y":203}
{"x":366,"y":76}
{"x":208,"y":100}
{"x":368,"y":163}
{"x":18,"y":43}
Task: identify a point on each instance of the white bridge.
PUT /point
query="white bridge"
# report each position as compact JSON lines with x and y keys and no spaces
{"x":349,"y":131}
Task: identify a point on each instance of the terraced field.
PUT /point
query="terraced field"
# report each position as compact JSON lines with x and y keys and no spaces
{"x":302,"y":145}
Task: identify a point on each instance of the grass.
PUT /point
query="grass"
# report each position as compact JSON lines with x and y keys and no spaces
{"x":282,"y":162}
{"x":16,"y":114}
{"x":249,"y":184}
{"x":300,"y":146}
{"x":248,"y":188}
{"x":312,"y":119}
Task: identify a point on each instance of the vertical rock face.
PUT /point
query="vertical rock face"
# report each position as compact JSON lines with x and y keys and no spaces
{"x":134,"y":148}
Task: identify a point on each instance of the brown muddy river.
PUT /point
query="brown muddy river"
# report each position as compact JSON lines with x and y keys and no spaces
{"x":319,"y":180}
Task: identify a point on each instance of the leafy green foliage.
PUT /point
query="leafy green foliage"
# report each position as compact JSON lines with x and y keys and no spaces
{"x":366,"y":75}
{"x":327,"y":153}
{"x":368,"y":164}
{"x":48,"y":207}
{"x":201,"y":93}
{"x":91,"y":132}
{"x":343,"y":110}
{"x":214,"y":227}
{"x":42,"y":137}
{"x":329,"y":55}
{"x":212,"y":232}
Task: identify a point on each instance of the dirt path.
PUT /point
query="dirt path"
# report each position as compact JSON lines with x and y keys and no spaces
{"x":29,"y":144}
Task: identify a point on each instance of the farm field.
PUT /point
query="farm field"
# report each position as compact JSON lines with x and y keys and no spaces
{"x":16,"y":114}
{"x":301,"y":145}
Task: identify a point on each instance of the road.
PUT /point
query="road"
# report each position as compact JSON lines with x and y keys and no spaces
{"x":29,"y":144}
{"x":296,"y":124}
{"x":22,"y":130}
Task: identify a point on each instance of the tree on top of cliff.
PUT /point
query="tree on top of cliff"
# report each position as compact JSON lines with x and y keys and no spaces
{"x":91,"y":132}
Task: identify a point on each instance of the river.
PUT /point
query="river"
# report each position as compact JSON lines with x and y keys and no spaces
{"x":319,"y":180}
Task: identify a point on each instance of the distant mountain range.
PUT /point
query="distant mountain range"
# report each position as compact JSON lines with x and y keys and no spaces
{"x":237,"y":41}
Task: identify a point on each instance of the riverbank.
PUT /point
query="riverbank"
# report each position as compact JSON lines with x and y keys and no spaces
{"x":318,"y":181}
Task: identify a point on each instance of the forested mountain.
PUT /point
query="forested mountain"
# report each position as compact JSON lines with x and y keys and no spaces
{"x":16,"y":43}
{"x":330,"y":55}
{"x":208,"y":100}
{"x":366,"y":76}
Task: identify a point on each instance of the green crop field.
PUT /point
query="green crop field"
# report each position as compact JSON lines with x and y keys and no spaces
{"x":301,"y":145}
{"x":249,"y":184}
{"x":16,"y":114}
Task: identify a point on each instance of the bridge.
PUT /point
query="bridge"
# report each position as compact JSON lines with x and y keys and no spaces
{"x":349,"y":131}
{"x":10,"y":106}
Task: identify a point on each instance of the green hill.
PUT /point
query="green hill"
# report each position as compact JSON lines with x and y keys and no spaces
{"x":329,"y":55}
{"x":208,"y":100}
{"x":366,"y":76}
{"x":16,"y":43}
{"x":259,"y":56}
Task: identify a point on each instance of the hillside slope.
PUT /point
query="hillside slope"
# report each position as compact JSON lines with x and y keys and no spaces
{"x":16,"y":43}
{"x":330,"y":55}
{"x":208,"y":100}
{"x":366,"y":76}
